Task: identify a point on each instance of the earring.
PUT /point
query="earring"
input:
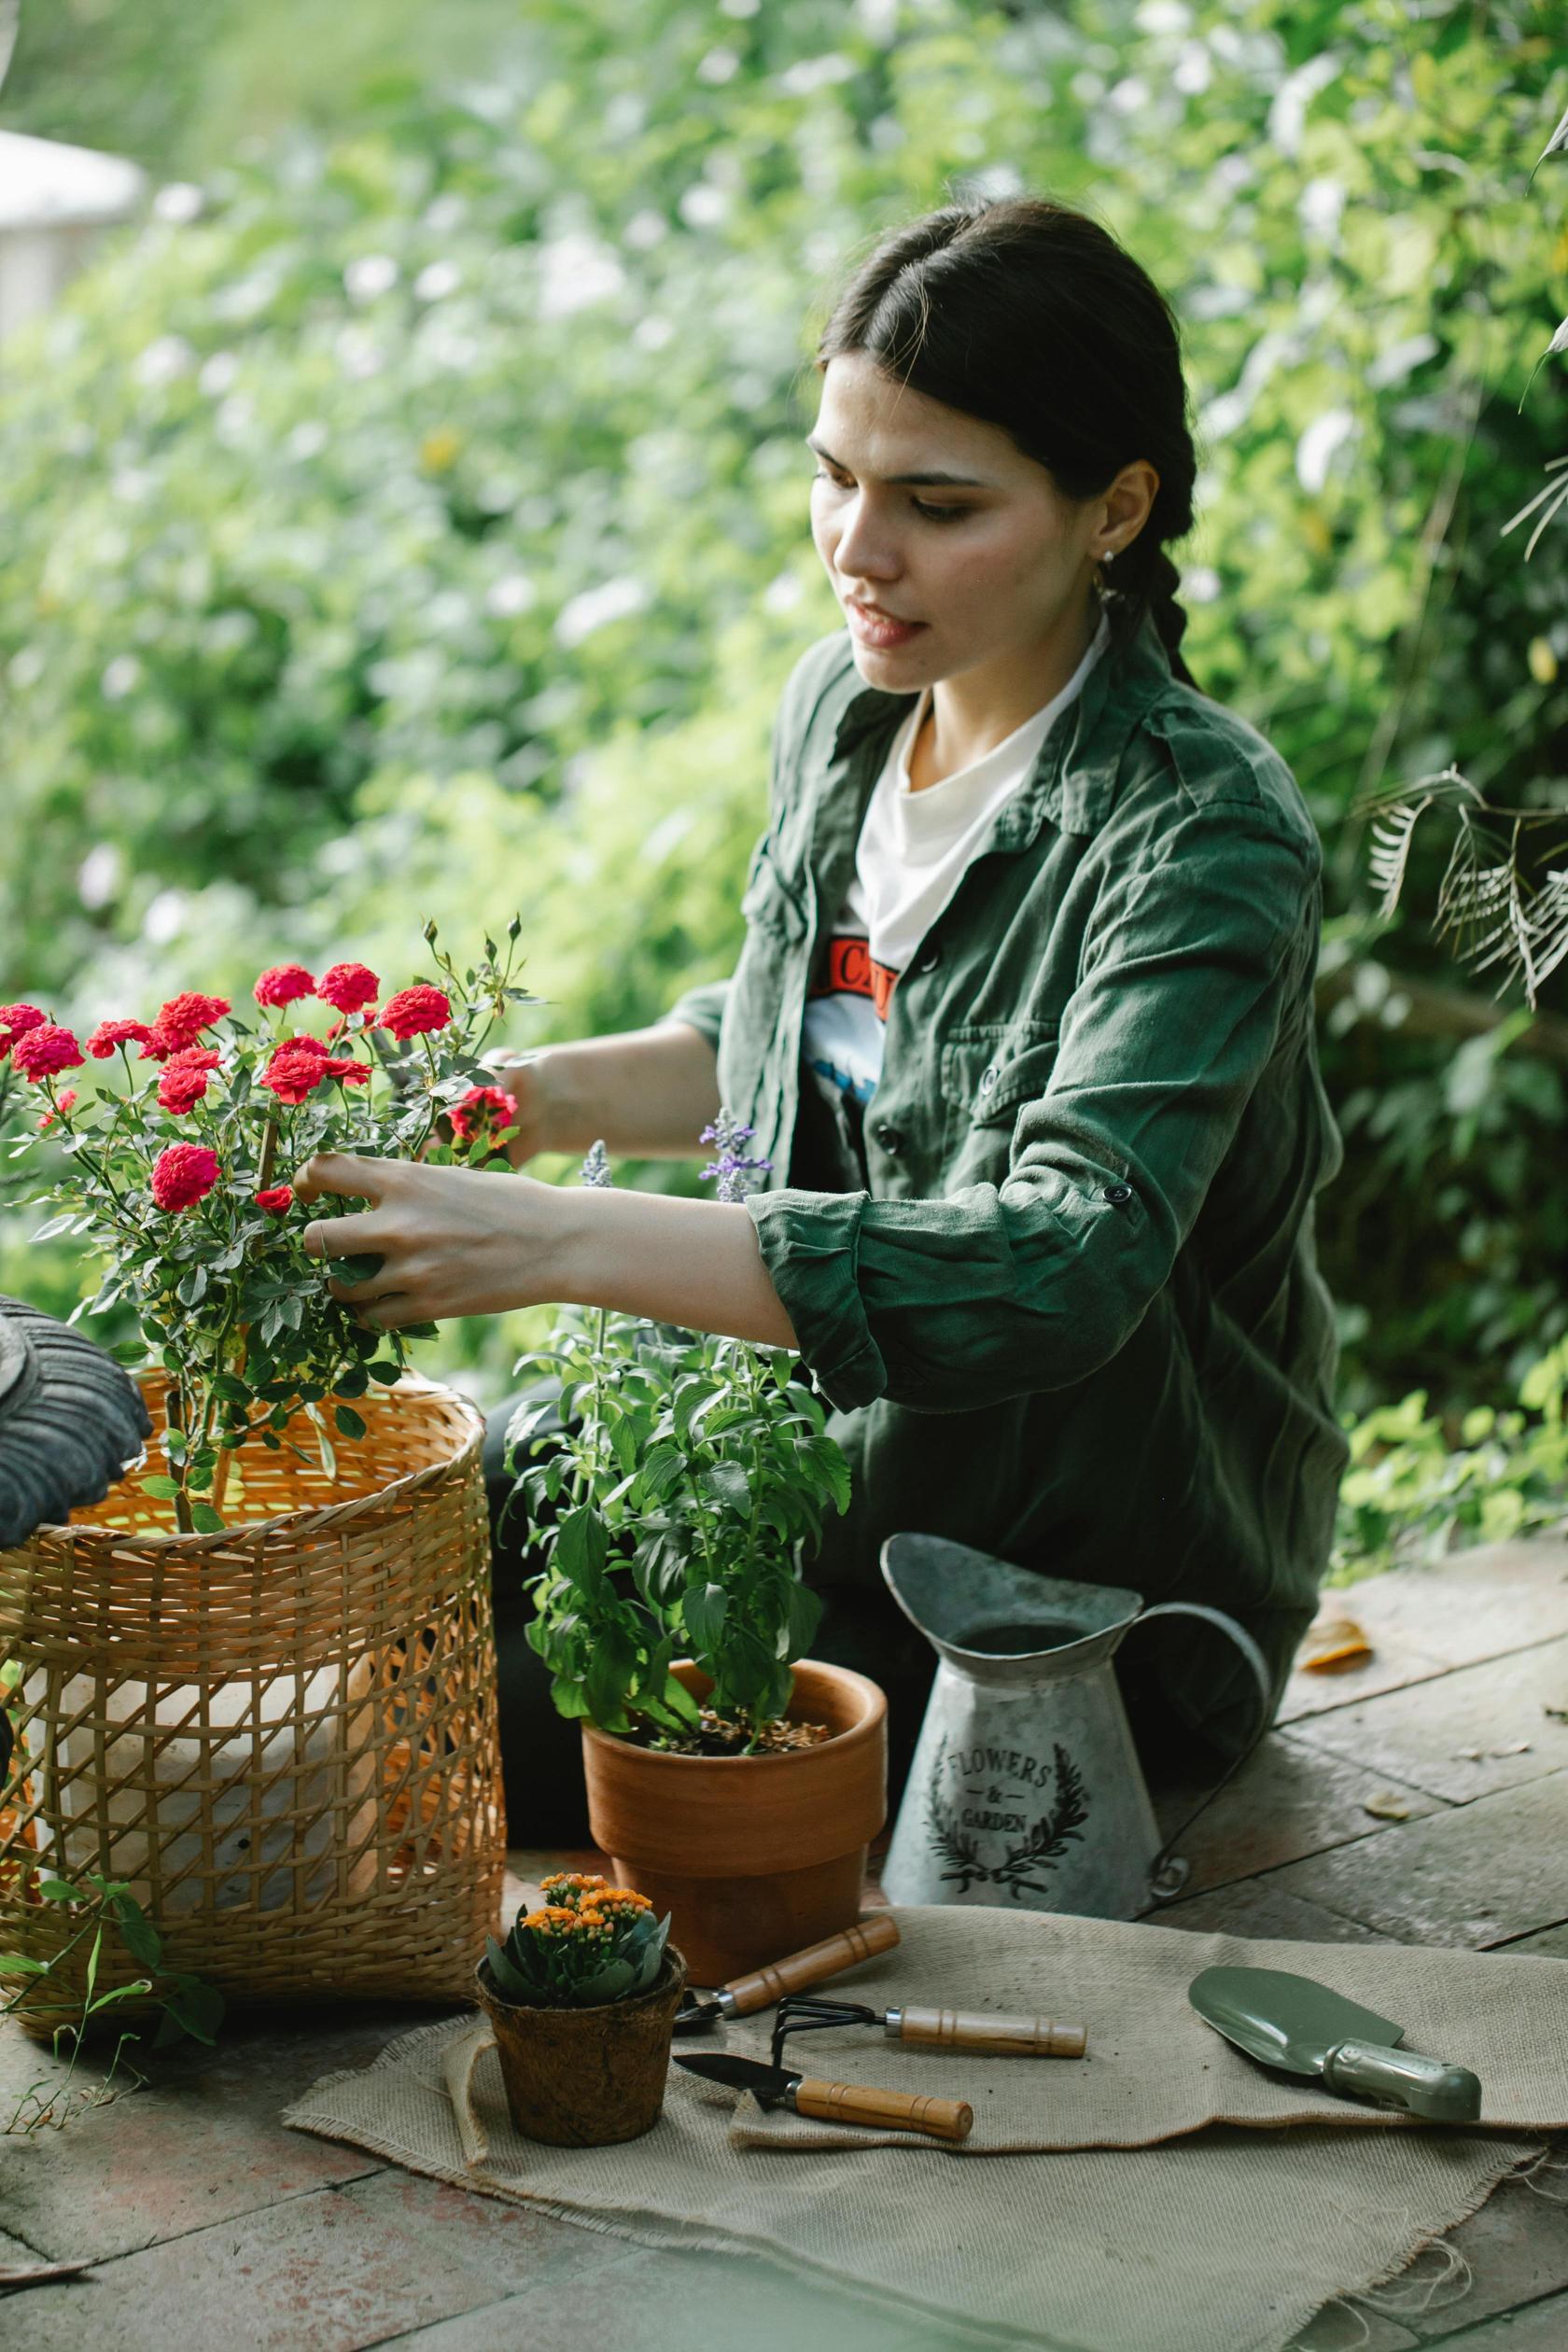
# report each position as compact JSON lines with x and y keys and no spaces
{"x":1100,"y":581}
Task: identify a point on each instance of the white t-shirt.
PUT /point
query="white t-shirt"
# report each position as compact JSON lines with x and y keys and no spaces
{"x":914,"y":849}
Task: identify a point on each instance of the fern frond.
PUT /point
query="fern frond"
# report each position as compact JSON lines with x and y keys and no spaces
{"x":1549,"y":925}
{"x":1390,"y":852}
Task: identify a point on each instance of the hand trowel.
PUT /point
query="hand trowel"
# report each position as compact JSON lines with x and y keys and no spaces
{"x":1290,"y":2022}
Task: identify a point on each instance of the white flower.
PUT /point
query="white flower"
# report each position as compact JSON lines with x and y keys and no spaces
{"x":1316,"y":450}
{"x":372,"y":276}
{"x":513,"y":593}
{"x":575,"y":271}
{"x":1200,"y":585}
{"x":121,"y":677}
{"x":740,"y":8}
{"x":703,"y":205}
{"x":180,"y":202}
{"x":1319,"y":206}
{"x":652,"y":332}
{"x":163,"y":361}
{"x":783,"y":594}
{"x":164,"y":919}
{"x":1287,"y":115}
{"x":437,"y":280}
{"x":645,"y":229}
{"x":98,"y":875}
{"x":816,"y":72}
{"x":217,"y":373}
{"x":26,"y":667}
{"x":720,"y":65}
{"x":596,"y":607}
{"x":307,"y":440}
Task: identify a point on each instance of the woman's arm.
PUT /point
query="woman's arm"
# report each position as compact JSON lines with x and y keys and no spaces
{"x":456,"y":1241}
{"x":648,"y":1094}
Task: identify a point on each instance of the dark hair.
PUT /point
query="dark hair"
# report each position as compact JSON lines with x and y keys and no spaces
{"x":1029,"y":315}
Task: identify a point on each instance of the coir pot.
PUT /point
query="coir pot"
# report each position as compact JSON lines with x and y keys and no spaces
{"x":586,"y":2078}
{"x":751,"y":1855}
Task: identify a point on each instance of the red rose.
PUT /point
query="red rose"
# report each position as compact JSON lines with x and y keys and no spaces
{"x":14,"y":1021}
{"x":348,"y":1072}
{"x":183,"y":1175}
{"x":284,"y":983}
{"x":296,"y":1069}
{"x":349,"y":986}
{"x":413,"y":1010}
{"x":480,"y":1109}
{"x":44,"y":1051}
{"x":65,"y":1100}
{"x":183,"y":1080}
{"x":109,"y":1036}
{"x":181,"y":1021}
{"x":277,"y":1200}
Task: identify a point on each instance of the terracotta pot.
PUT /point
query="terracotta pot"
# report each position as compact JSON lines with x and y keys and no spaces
{"x":751,"y":1855}
{"x":586,"y":2078}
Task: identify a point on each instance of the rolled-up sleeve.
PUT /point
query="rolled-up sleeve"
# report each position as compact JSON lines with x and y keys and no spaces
{"x":1190,"y":962}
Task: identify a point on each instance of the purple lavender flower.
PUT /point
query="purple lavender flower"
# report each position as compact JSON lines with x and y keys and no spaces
{"x":736,"y":1174}
{"x":595,"y":1167}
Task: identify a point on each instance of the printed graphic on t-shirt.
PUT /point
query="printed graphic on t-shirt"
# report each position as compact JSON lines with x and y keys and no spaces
{"x":844,"y":1015}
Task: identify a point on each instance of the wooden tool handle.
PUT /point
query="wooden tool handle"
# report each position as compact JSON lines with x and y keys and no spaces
{"x":905,"y":2110}
{"x":878,"y":1933}
{"x":972,"y":2029}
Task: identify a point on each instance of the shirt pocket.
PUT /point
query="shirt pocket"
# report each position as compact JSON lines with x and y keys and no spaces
{"x":989,"y":1070}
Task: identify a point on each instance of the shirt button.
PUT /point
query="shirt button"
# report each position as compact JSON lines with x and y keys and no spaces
{"x":1118,"y":1192}
{"x":890,"y":1138}
{"x":930,"y":957}
{"x":988,"y":1078}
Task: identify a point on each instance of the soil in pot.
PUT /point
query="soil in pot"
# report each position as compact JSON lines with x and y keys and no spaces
{"x":586,"y":2078}
{"x":753,"y":1856}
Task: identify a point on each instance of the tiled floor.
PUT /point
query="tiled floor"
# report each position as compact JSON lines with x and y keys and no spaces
{"x":208,"y":2225}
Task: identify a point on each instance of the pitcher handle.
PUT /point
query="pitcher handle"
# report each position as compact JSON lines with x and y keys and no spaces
{"x":1167,"y":1872}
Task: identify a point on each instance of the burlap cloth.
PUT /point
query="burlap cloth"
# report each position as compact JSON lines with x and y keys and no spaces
{"x":1109,"y":2228}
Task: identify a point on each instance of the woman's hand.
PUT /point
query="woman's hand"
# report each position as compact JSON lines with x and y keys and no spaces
{"x":450,"y":1240}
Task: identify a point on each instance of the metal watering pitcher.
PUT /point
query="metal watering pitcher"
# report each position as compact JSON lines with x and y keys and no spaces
{"x":1026,"y":1786}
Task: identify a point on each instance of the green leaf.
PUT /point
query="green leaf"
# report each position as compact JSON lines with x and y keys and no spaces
{"x":388,"y":1375}
{"x":704,"y":1608}
{"x":165,"y":1489}
{"x":802,"y":1615}
{"x":137,"y":1932}
{"x":206,"y":1520}
{"x":348,"y":1421}
{"x":582,"y":1550}
{"x":56,"y":1891}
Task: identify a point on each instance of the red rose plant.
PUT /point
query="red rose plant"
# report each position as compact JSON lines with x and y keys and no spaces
{"x":175,"y":1166}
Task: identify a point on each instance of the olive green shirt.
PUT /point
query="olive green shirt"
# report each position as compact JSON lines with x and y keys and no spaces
{"x":1066,"y":1306}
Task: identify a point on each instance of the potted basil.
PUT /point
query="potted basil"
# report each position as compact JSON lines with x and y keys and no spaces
{"x":730,"y":1779}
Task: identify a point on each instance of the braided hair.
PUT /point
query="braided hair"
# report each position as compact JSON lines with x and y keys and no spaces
{"x":1029,"y":315}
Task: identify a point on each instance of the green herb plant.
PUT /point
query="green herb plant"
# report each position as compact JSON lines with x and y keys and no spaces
{"x":670,"y":1511}
{"x":190,"y":2006}
{"x":587,"y":1944}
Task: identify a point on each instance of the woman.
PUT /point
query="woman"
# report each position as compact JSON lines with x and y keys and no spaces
{"x":1023,"y":1019}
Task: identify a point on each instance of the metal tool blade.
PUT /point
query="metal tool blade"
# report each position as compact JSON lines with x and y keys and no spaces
{"x":767,"y":2084}
{"x":1284,"y":2019}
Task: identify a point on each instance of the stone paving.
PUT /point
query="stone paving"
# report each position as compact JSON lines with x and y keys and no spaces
{"x":1419,"y":1796}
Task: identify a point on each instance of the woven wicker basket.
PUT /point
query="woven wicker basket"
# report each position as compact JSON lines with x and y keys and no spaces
{"x":283,"y":1737}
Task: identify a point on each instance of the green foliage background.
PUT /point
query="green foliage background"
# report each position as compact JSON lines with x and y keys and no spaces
{"x":420,"y":529}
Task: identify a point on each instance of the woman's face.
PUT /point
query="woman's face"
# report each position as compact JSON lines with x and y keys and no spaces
{"x":949,"y":549}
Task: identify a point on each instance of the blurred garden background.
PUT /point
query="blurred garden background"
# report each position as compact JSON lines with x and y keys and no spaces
{"x":405,"y":516}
